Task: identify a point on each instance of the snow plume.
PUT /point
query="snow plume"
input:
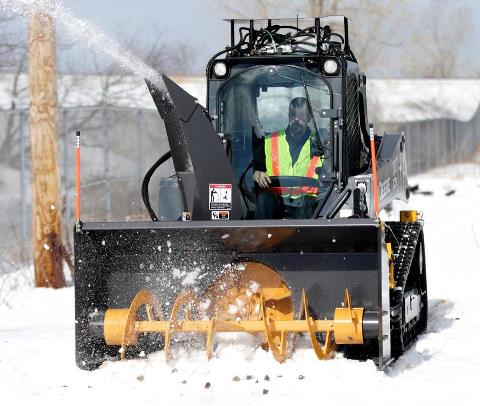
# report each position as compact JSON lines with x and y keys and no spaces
{"x":15,"y":286}
{"x":81,"y":30}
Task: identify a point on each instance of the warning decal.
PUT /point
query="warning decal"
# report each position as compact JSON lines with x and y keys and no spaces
{"x":220,"y":215}
{"x":220,"y":196}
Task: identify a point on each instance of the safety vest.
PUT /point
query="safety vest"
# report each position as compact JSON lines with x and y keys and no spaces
{"x":279,"y":163}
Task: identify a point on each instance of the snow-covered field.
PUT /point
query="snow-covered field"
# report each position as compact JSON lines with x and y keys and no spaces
{"x":443,"y":368}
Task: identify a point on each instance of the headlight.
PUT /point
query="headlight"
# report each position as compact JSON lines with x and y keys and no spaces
{"x":330,"y":66}
{"x":220,"y":69}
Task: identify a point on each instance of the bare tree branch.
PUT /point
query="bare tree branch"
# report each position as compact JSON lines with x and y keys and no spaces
{"x":389,"y":37}
{"x":435,"y":50}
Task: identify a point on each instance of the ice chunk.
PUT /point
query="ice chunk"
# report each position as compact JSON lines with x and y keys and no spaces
{"x":205,"y":304}
{"x":257,"y":308}
{"x":191,"y":277}
{"x":253,"y":286}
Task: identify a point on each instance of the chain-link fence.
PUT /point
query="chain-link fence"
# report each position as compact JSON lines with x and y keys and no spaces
{"x":118,"y":147}
{"x":120,"y":144}
{"x":433,"y":143}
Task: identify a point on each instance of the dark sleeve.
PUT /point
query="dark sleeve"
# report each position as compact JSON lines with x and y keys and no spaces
{"x":315,"y":142}
{"x":259,"y":157}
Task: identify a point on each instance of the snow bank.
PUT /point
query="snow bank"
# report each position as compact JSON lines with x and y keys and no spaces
{"x":392,"y":100}
{"x":15,"y":287}
{"x":37,"y":338}
{"x":404,"y":100}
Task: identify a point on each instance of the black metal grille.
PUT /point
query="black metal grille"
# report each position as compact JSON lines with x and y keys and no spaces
{"x":352,"y":127}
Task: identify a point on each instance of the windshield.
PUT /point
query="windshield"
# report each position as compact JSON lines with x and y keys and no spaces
{"x":280,"y":143}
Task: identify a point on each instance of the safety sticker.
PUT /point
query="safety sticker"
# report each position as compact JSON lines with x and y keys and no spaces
{"x":220,"y":215}
{"x":220,"y":196}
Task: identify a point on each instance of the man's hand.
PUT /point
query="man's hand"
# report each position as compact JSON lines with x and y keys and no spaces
{"x":262,"y":179}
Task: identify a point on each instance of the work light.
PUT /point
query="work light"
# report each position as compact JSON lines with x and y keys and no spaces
{"x":220,"y":69}
{"x":330,"y":66}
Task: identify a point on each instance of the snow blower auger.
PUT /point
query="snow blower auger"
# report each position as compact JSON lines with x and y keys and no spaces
{"x":270,"y":224}
{"x":240,"y":308}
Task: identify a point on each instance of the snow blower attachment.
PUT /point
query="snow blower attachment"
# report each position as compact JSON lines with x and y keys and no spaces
{"x":305,"y":255}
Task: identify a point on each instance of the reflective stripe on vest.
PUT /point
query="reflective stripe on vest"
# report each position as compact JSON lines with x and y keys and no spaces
{"x":272,"y":156}
{"x":275,"y":157}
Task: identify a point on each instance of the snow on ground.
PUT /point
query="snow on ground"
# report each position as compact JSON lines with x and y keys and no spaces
{"x":37,"y":338}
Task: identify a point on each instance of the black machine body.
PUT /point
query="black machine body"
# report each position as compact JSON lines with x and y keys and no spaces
{"x":208,"y":212}
{"x":249,"y":87}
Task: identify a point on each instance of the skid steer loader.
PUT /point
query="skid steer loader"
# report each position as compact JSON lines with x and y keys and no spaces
{"x":323,"y":264}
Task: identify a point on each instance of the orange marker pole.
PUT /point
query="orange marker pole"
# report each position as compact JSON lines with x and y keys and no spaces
{"x":374,"y":171}
{"x":77,"y":181}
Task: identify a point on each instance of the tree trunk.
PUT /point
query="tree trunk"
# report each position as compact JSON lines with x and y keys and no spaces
{"x":46,"y":212}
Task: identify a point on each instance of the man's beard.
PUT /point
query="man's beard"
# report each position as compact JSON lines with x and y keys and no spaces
{"x":296,"y":128}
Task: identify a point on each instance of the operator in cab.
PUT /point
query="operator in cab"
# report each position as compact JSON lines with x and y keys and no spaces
{"x":293,"y":152}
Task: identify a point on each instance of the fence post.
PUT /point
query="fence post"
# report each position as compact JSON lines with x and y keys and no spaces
{"x":106,"y":157}
{"x":419,"y":152}
{"x":23,"y":187}
{"x":408,"y":140}
{"x":456,"y":146}
{"x":444,"y":141}
{"x":438,"y":137}
{"x":471,"y":139}
{"x":141,"y":135}
{"x":450,"y":141}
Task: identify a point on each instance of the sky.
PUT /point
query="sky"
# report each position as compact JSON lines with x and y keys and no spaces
{"x":199,"y":22}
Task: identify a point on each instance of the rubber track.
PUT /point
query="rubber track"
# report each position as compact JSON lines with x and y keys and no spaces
{"x":404,"y":238}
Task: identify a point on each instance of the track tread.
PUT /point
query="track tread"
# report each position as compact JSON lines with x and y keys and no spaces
{"x":404,"y":238}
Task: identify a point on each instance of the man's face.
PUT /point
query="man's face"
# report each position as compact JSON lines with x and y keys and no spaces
{"x":298,"y":118}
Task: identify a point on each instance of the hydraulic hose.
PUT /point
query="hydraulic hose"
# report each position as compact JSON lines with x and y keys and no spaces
{"x":146,"y":181}
{"x":228,"y":49}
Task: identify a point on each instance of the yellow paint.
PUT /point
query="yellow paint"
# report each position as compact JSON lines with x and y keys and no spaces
{"x":408,"y":216}
{"x":391,"y":277}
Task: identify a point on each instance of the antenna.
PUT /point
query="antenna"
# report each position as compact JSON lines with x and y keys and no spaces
{"x":77,"y":182}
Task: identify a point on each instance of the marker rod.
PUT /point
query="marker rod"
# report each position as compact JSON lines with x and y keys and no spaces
{"x":77,"y":180}
{"x":374,"y":170}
